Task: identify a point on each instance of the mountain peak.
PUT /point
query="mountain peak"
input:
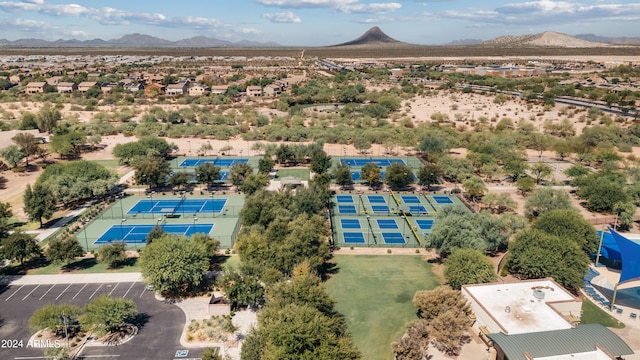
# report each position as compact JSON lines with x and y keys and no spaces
{"x":373,"y":36}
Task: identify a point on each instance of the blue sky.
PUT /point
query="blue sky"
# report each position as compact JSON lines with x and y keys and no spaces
{"x":314,"y":22}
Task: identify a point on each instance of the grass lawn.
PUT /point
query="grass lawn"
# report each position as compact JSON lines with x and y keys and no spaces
{"x":593,"y":314}
{"x":302,"y":174}
{"x":84,"y":266}
{"x":112,"y":164}
{"x":374,"y":293}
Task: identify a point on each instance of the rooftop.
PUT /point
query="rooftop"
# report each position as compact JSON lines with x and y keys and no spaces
{"x":517,"y":311}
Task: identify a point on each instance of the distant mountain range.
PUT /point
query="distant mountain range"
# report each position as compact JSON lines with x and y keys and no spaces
{"x":137,"y":40}
{"x":373,"y":37}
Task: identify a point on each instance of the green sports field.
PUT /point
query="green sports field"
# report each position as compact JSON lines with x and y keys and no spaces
{"x":374,"y":293}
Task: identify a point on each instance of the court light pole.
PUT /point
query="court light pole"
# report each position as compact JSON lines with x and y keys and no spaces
{"x":370,"y":233}
{"x":122,"y":221}
{"x":85,"y":222}
{"x":195,"y":218}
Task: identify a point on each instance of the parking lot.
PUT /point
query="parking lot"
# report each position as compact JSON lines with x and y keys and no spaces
{"x":158,"y":337}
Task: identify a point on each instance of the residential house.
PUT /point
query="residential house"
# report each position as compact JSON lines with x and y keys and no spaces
{"x":133,"y":86}
{"x":179,"y":88}
{"x":35,"y":87}
{"x":154,"y":89}
{"x":272,"y":90}
{"x":219,"y":89}
{"x":107,"y":87}
{"x":54,"y":80}
{"x":198,"y":90}
{"x":254,"y":91}
{"x":66,"y":87}
{"x":86,"y":85}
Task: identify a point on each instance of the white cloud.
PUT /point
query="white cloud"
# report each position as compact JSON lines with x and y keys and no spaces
{"x":301,"y":4}
{"x":376,"y":8}
{"x":286,"y":17}
{"x":546,"y":12}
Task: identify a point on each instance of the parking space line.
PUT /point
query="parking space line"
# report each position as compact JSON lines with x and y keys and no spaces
{"x":45,"y":294}
{"x":63,"y":291}
{"x":91,"y":297}
{"x":144,"y":290}
{"x":34,"y":289}
{"x":111,"y":292}
{"x":129,"y":289}
{"x":74,"y":296}
{"x":15,"y":292}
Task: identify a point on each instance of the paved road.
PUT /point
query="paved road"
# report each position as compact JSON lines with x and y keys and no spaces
{"x":159,"y":336}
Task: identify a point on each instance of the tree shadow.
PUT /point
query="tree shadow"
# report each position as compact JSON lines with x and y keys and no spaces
{"x":3,"y":182}
{"x":328,"y":270}
{"x":34,"y":263}
{"x":141,"y":320}
{"x":82,"y":264}
{"x":51,"y":222}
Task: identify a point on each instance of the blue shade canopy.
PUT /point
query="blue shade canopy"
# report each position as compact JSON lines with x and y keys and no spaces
{"x":630,"y":252}
{"x":609,"y":249}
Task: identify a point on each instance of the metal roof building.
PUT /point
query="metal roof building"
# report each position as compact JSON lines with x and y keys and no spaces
{"x":590,"y":341}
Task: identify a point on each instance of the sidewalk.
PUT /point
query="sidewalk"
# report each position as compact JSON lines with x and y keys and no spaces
{"x":70,"y":278}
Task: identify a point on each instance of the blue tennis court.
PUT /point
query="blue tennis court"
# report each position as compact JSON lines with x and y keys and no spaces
{"x":393,"y":238}
{"x":356,"y":176}
{"x":350,"y":223}
{"x":347,"y":209}
{"x":189,"y":206}
{"x":425,"y":224}
{"x":441,"y":199}
{"x":410,"y":199}
{"x":380,"y":209}
{"x":376,"y":199}
{"x":345,"y":198}
{"x":387,"y":224}
{"x":418,"y":209}
{"x":137,"y":234}
{"x":364,"y":161}
{"x":353,"y":238}
{"x":214,"y":161}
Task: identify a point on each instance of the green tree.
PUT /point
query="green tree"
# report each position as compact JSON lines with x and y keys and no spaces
{"x":626,"y":214}
{"x":242,"y":286}
{"x":238,"y":173}
{"x":265,"y":164}
{"x":154,"y":234}
{"x":19,"y":246}
{"x":48,"y":317}
{"x":415,"y":343}
{"x":106,"y":314}
{"x":5,"y":215}
{"x":12,"y":154}
{"x":211,"y":354}
{"x":208,"y":174}
{"x":144,"y":147}
{"x":342,"y":174}
{"x":577,"y":170}
{"x":27,"y":143}
{"x":320,"y":162}
{"x":544,"y":199}
{"x":429,"y":175}
{"x":468,"y":266}
{"x":525,"y":185}
{"x":302,"y":288}
{"x":298,"y":332}
{"x":179,"y":179}
{"x":254,"y":182}
{"x":433,"y":146}
{"x":151,"y":171}
{"x":113,"y":254}
{"x":174,"y":264}
{"x":499,"y":203}
{"x":515,"y":168}
{"x":568,"y":223}
{"x":474,"y":187}
{"x":455,"y":170}
{"x":370,"y":173}
{"x":455,"y":228}
{"x":398,"y":176}
{"x":540,"y":171}
{"x":47,"y":119}
{"x":432,"y":303}
{"x":67,"y":144}
{"x":39,"y":202}
{"x":63,"y":251}
{"x":534,"y":254}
